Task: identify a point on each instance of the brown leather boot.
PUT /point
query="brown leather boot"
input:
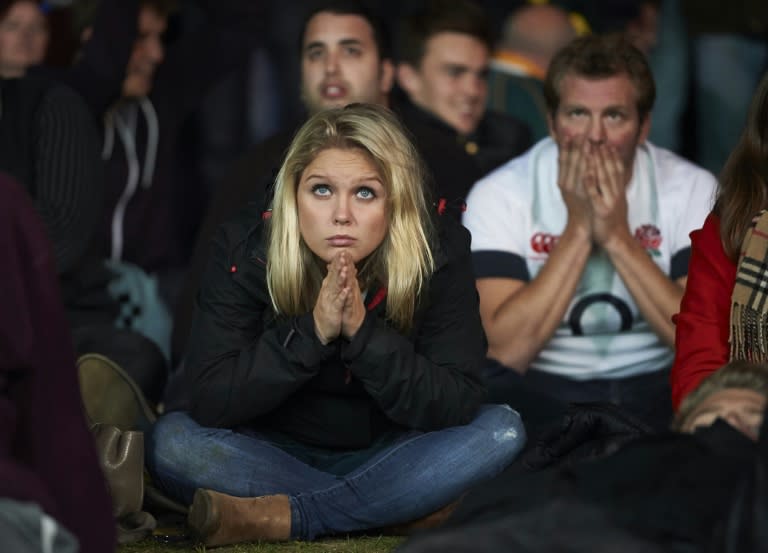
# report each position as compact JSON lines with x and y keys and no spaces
{"x":221,"y":519}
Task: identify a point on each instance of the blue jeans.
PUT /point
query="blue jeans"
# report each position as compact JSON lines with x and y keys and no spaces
{"x":414,"y":474}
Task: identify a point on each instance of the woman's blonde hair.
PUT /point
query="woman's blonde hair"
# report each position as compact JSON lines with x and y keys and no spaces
{"x":403,"y":262}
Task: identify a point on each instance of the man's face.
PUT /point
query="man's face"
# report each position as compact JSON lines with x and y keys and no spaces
{"x":340,"y":63}
{"x":23,"y":38}
{"x":148,"y":52}
{"x":740,"y":407}
{"x":604,"y":111}
{"x":451,"y":81}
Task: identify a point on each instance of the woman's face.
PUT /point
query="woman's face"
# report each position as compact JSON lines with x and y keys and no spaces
{"x":342,"y":204}
{"x":23,"y":38}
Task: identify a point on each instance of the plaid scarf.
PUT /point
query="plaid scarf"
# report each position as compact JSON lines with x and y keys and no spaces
{"x":749,"y":301}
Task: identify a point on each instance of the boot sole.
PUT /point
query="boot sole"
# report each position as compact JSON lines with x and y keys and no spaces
{"x":202,"y":517}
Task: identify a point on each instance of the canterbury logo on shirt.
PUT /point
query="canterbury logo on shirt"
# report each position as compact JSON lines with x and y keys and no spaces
{"x":648,"y":236}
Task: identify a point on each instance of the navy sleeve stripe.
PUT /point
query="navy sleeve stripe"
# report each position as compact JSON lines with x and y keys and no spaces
{"x":679,"y":265}
{"x":498,"y":264}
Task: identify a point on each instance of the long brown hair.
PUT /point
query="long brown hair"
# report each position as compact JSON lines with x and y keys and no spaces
{"x":744,"y":181}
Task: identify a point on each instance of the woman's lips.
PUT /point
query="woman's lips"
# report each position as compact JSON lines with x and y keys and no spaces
{"x":341,"y":241}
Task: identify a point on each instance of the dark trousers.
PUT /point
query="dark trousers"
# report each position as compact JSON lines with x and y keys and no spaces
{"x":542,"y":398}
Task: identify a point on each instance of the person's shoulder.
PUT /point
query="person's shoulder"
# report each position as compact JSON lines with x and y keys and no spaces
{"x":674,"y":170}
{"x":40,"y":91}
{"x":520,"y":171}
{"x":453,"y":241}
{"x":710,"y":230}
{"x":243,"y":232}
{"x":58,"y":108}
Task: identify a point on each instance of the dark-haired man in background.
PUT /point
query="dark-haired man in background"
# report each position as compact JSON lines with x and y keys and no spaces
{"x":444,"y":53}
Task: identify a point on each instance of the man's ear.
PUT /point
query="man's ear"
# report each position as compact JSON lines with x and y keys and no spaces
{"x":645,"y":129}
{"x":386,"y":76}
{"x":551,"y":125}
{"x":408,"y":78}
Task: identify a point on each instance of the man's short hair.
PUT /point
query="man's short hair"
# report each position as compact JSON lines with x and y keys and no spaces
{"x":600,"y":57}
{"x":349,"y":7}
{"x":736,"y":374}
{"x":441,"y":16}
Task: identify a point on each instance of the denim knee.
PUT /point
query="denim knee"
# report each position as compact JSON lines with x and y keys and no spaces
{"x":167,"y":450}
{"x":503,"y":434}
{"x":168,"y":440}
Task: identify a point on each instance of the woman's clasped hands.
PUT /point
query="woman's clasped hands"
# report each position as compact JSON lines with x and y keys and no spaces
{"x":339,"y":309}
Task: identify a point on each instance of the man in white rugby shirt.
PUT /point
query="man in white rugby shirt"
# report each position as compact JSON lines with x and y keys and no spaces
{"x":581,"y":245}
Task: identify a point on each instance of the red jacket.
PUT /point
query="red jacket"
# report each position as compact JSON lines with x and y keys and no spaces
{"x":701,"y":336}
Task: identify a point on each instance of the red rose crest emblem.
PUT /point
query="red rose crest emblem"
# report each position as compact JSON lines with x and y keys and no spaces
{"x":543,"y":243}
{"x":649,"y":237}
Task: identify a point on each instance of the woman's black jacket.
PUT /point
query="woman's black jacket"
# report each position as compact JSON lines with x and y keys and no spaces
{"x":246,"y":368}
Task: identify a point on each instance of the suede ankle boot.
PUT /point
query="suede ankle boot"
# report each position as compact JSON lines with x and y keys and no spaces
{"x":221,"y":519}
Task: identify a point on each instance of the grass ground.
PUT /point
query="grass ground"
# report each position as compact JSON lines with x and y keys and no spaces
{"x":344,"y":545}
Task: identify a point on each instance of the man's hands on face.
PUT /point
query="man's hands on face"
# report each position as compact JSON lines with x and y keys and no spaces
{"x":592,"y":182}
{"x":607,"y":193}
{"x":572,"y":163}
{"x":339,"y":309}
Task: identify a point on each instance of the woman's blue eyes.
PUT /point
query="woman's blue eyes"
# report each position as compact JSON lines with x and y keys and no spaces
{"x":321,"y":190}
{"x":364,"y":192}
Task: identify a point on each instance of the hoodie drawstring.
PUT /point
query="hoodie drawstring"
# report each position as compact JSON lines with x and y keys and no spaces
{"x":126,"y":130}
{"x":153,"y":139}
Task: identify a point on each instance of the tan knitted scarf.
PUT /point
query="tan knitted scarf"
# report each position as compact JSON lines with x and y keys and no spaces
{"x":749,"y":301}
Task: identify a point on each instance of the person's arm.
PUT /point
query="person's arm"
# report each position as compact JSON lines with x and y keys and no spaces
{"x":656,"y":296}
{"x":238,"y":365}
{"x":520,"y":314}
{"x":67,"y":188}
{"x":520,"y":317}
{"x":431,"y":381}
{"x":701,"y":337}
